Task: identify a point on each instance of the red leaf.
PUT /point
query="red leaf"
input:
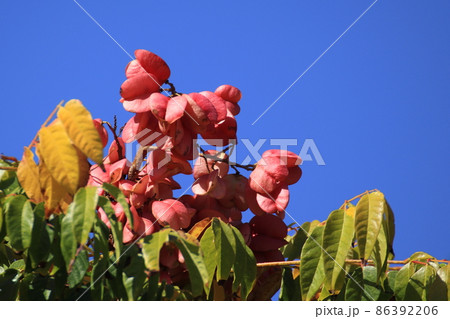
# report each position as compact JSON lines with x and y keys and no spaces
{"x":154,"y":64}
{"x":171,"y":212}
{"x":287,"y":158}
{"x":218,"y":103}
{"x":202,"y":167}
{"x":266,"y":243}
{"x":269,"y":225}
{"x":229,"y":93}
{"x":275,"y":201}
{"x":101,"y":131}
{"x":158,"y":105}
{"x":175,"y":108}
{"x":138,"y":85}
{"x":295,"y":173}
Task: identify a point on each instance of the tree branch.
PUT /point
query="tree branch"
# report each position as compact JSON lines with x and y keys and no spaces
{"x":296,"y":263}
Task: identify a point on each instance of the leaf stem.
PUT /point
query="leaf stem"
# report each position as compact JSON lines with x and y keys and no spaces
{"x":46,"y":122}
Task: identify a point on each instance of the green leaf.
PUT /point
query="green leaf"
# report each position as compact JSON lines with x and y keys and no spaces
{"x":35,"y":287}
{"x":401,"y":281}
{"x":83,"y":209}
{"x":209,"y":254}
{"x":9,"y":284}
{"x":115,"y":280}
{"x":6,"y":255}
{"x":419,"y":284}
{"x":244,"y":266}
{"x":19,"y":222}
{"x":368,"y":220}
{"x":77,"y":223}
{"x":99,"y":270}
{"x":389,"y":284}
{"x":133,"y":276}
{"x":101,"y":240}
{"x":290,"y":287}
{"x":18,"y":264}
{"x":421,"y":256}
{"x":120,"y":198}
{"x":151,"y":246}
{"x":312,"y":273}
{"x":9,"y":183}
{"x":79,"y":268}
{"x":225,"y":247}
{"x":7,"y":177}
{"x":380,"y":251}
{"x":41,"y":237}
{"x":194,"y":261}
{"x":68,"y":241}
{"x":2,"y":224}
{"x":337,"y":240}
{"x":372,"y":290}
{"x":116,"y":226}
{"x":355,"y":286}
{"x":293,"y":249}
{"x":151,"y":287}
{"x":440,"y":288}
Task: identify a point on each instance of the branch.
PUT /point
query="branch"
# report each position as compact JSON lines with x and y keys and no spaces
{"x":138,"y":159}
{"x":296,"y":263}
{"x":8,"y":168}
{"x":116,"y":138}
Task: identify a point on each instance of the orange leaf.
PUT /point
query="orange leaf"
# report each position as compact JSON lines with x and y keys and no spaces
{"x":28,"y":175}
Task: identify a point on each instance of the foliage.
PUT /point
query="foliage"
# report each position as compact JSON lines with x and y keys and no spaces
{"x":77,"y":226}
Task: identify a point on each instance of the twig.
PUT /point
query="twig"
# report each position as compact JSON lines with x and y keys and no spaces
{"x":8,"y":168}
{"x":9,"y":158}
{"x":46,"y":122}
{"x":249,"y":167}
{"x":116,"y":138}
{"x":356,"y":197}
{"x":172,"y":90}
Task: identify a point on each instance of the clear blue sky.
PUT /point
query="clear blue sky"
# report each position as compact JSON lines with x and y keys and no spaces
{"x":377,"y":104}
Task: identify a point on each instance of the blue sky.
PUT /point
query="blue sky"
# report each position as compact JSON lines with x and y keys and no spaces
{"x":377,"y":104}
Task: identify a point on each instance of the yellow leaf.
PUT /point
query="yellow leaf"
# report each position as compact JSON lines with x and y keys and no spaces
{"x":54,"y":193}
{"x":199,"y":228}
{"x":84,"y":168}
{"x":60,"y":156}
{"x":28,"y":175}
{"x":295,"y":273}
{"x":351,"y":211}
{"x":81,"y":130}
